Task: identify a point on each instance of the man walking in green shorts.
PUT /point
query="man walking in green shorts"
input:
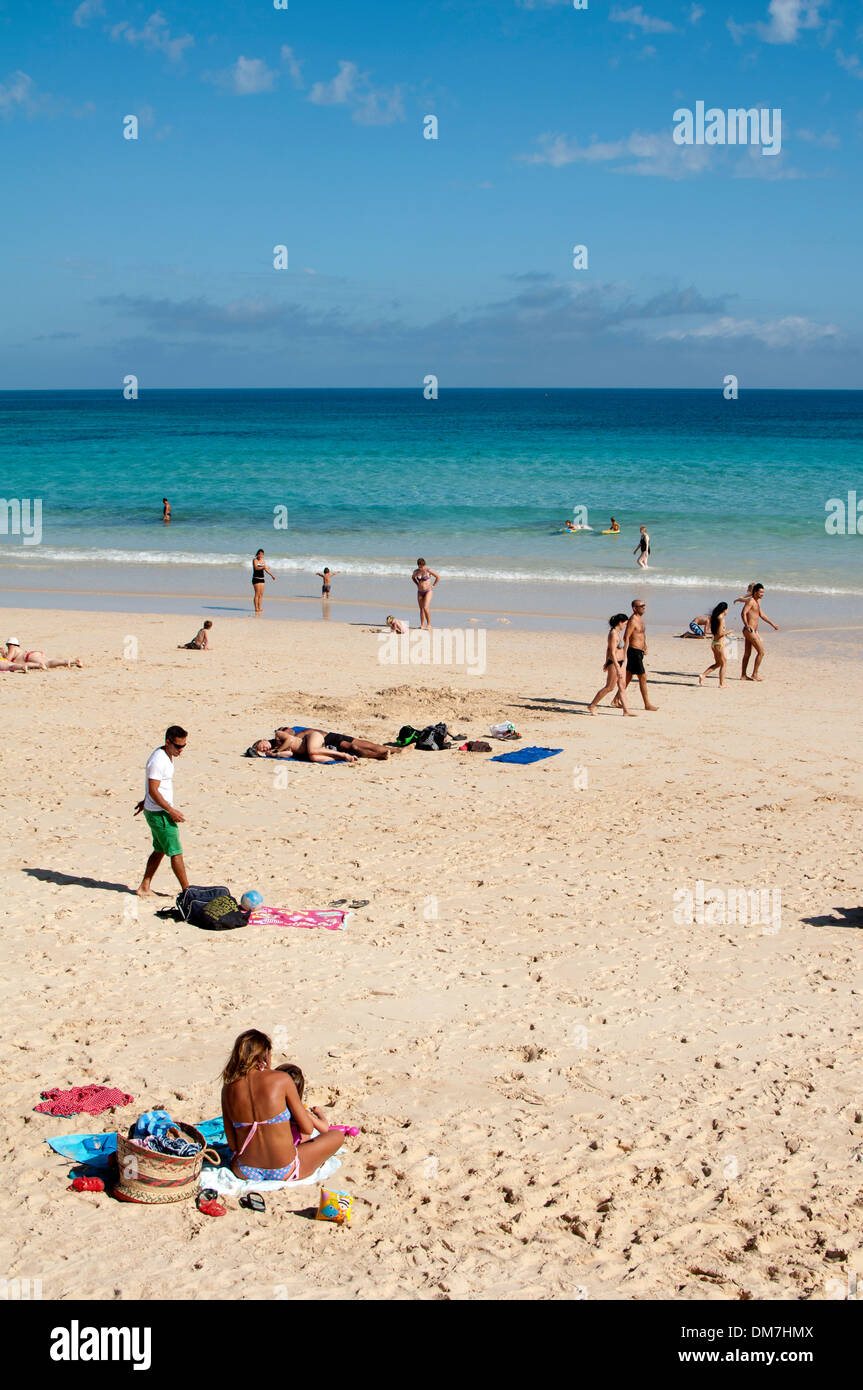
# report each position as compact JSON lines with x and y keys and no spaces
{"x":159,"y":811}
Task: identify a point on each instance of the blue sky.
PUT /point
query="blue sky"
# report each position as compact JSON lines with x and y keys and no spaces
{"x":408,"y":256}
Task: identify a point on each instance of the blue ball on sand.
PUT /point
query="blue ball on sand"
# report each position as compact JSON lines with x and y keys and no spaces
{"x":249,"y":901}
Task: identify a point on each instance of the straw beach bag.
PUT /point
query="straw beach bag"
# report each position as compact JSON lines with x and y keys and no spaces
{"x":149,"y":1177}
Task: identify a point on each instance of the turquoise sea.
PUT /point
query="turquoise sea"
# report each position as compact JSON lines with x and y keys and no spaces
{"x":477,"y":481}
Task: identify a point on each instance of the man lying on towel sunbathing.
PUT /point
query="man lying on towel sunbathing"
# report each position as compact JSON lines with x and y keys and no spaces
{"x":315,"y":746}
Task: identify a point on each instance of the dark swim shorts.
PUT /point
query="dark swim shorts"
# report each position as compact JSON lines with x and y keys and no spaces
{"x":635,"y":661}
{"x":336,"y":740}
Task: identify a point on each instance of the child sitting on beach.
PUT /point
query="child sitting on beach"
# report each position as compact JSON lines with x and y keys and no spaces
{"x":199,"y":642}
{"x":300,"y":1082}
{"x":396,"y":625}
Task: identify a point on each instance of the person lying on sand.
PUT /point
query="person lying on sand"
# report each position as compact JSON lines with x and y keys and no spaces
{"x":307,"y":747}
{"x":36,"y":658}
{"x":259,"y":1106}
{"x":337,"y":743}
{"x":199,"y":642}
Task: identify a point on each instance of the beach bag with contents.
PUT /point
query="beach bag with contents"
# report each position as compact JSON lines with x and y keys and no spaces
{"x":150,"y":1177}
{"x":407,"y":735}
{"x":214,"y":909}
{"x":434,"y":738}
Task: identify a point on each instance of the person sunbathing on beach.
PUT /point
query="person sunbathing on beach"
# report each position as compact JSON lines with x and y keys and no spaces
{"x":37,"y":659}
{"x":613,"y":667}
{"x":336,"y":744}
{"x":199,"y":642}
{"x":260,"y":1105}
{"x":307,"y":746}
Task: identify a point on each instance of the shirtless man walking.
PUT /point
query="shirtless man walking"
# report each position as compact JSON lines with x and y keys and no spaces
{"x":752,"y":615}
{"x":635,"y":638}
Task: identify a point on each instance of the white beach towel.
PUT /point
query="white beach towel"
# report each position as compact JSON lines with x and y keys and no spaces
{"x":224,"y":1181}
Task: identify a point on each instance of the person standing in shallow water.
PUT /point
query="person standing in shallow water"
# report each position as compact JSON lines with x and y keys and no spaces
{"x":259,"y":578}
{"x":425,"y":580}
{"x":166,"y":509}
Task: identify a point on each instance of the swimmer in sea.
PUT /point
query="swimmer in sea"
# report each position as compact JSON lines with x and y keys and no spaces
{"x":166,"y":509}
{"x":614,"y":525}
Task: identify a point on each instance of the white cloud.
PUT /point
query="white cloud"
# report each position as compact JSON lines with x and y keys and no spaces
{"x":786,"y":19}
{"x":250,"y":76}
{"x":293,"y":64}
{"x":19,"y":90}
{"x":380,"y":108}
{"x":828,"y":140}
{"x":339,"y":90}
{"x":695,"y":14}
{"x":792,"y":331}
{"x":654,"y":154}
{"x":850,"y":62}
{"x":155,"y":36}
{"x":635,"y":15}
{"x":87,"y":10}
{"x":350,"y":87}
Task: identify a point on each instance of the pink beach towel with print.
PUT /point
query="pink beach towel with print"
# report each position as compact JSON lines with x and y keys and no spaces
{"x":276,"y":917}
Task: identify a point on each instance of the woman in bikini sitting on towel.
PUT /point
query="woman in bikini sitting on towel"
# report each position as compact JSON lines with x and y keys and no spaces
{"x":258,"y":1105}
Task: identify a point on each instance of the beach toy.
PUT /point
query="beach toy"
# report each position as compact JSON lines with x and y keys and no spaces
{"x":249,"y":901}
{"x":335,"y":1206}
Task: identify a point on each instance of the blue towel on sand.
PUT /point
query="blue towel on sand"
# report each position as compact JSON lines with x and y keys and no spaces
{"x":93,"y":1152}
{"x":526,"y":755}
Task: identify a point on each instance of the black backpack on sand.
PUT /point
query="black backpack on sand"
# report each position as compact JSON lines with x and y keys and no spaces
{"x":434,"y":738}
{"x":214,"y":909}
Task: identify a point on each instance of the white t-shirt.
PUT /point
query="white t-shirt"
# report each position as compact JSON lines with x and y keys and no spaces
{"x":159,"y":768}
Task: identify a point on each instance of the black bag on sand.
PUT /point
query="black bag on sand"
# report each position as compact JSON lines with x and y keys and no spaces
{"x":192,"y":901}
{"x":222,"y":914}
{"x":434,"y":738}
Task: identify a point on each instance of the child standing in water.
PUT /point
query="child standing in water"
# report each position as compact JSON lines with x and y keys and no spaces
{"x":326,"y":577}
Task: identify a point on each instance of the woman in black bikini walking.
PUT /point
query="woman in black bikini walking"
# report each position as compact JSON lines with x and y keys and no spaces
{"x":259,"y":573}
{"x":613,"y":665}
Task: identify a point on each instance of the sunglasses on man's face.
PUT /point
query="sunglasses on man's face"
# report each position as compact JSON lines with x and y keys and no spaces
{"x":178,"y":746}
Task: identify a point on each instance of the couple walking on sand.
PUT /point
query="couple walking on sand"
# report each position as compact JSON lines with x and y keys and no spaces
{"x":752,"y":641}
{"x":627,"y":645}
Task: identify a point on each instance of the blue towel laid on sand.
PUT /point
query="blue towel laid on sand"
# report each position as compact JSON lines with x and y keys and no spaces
{"x":526,"y":755}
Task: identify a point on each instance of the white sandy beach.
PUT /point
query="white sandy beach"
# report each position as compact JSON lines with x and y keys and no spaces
{"x":563,"y":1091}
